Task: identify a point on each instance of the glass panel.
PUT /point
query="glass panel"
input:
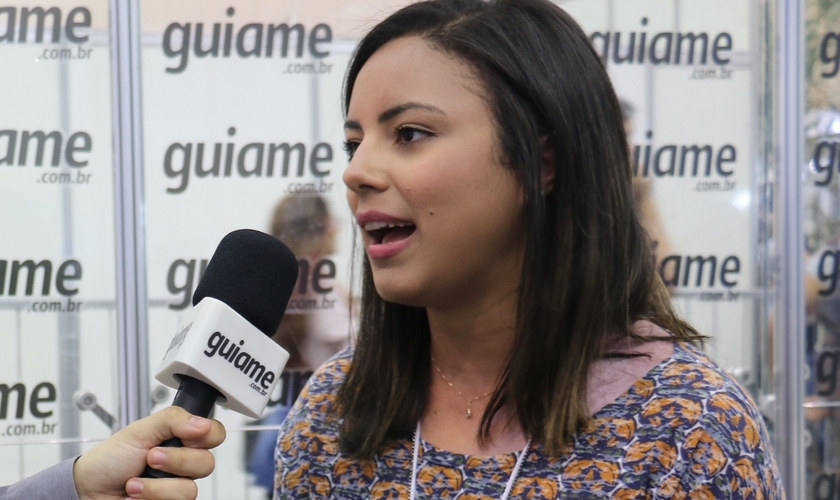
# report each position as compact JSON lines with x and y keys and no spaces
{"x":243,"y":129}
{"x":57,"y":254}
{"x":821,"y":199}
{"x":699,"y":95}
{"x":687,"y":78}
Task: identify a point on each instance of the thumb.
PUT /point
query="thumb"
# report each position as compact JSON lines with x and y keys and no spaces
{"x":165,"y":424}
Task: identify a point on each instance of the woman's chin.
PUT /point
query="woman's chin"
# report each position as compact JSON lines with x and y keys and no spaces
{"x":398,"y":293}
{"x":403,"y":300}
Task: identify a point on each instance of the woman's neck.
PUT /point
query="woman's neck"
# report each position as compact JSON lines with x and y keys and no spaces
{"x":474,"y":342}
{"x":469,"y":353}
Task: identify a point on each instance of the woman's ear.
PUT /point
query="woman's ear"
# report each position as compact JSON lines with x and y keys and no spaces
{"x":546,"y":166}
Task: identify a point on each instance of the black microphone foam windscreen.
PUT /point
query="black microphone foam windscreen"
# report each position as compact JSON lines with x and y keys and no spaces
{"x":253,"y":273}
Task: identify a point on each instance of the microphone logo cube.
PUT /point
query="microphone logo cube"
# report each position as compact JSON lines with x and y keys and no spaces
{"x":216,"y":345}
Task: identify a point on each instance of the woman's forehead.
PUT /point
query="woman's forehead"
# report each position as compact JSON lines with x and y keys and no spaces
{"x":411,"y":69}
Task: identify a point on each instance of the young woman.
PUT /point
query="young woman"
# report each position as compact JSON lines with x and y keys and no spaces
{"x":515,"y":339}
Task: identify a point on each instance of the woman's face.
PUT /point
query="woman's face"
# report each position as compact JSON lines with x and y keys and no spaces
{"x":441,"y":218}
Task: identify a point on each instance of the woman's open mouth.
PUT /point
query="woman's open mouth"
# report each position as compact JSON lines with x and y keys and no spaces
{"x":386,"y":233}
{"x":387,"y":238}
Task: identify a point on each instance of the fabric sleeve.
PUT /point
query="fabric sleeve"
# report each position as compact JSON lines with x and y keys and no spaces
{"x":55,"y":483}
{"x":307,"y":446}
{"x":726,"y":455}
{"x":292,"y":461}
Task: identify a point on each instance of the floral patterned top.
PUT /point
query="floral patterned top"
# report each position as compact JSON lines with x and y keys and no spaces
{"x":685,"y":430}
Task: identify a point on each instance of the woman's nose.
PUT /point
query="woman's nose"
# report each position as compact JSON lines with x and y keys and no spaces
{"x":364,"y":173}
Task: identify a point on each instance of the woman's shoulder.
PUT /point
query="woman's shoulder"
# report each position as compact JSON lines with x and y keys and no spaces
{"x":687,"y":419}
{"x":728,"y":413}
{"x":312,"y":424}
{"x":688,"y":386}
{"x":314,"y":409}
{"x":729,"y":438}
{"x":329,"y":376}
{"x":685,"y":401}
{"x":692,"y":374}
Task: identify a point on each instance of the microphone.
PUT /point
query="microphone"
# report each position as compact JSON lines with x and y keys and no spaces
{"x":223,"y":352}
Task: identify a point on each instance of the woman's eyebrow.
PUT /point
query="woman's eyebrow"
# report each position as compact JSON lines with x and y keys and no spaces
{"x":401,"y":108}
{"x":390,"y":113}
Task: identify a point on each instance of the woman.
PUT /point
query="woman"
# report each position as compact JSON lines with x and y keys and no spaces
{"x":515,"y":339}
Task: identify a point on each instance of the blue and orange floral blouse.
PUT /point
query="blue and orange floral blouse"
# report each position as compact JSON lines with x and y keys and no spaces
{"x":685,"y":430}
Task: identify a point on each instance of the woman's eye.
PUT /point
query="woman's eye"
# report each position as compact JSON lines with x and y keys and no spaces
{"x":350,"y":148}
{"x":407,"y":135}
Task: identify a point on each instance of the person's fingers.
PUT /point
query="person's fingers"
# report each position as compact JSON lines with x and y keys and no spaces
{"x":162,"y":489}
{"x":105,"y":469}
{"x":175,"y":422}
{"x":182,"y":462}
{"x":163,"y":425}
{"x":209,"y":439}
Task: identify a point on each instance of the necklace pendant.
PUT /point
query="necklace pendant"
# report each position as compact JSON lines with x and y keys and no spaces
{"x":469,"y":412}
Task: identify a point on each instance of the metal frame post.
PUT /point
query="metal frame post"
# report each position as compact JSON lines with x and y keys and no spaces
{"x":132,"y":304}
{"x":790,"y":327}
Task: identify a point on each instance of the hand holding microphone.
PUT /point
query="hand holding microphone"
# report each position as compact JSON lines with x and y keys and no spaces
{"x":110,"y":470}
{"x":223,"y":352}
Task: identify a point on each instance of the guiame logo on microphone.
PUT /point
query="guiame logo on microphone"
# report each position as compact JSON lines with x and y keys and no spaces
{"x":219,"y":345}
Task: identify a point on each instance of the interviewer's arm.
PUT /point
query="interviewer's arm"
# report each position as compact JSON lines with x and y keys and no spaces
{"x":55,"y":483}
{"x":110,"y":470}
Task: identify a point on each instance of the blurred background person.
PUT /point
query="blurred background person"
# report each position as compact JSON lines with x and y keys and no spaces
{"x":317,"y":321}
{"x":822,"y":297}
{"x":643,"y":196}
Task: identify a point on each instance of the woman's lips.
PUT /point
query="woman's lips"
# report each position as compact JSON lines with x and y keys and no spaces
{"x":388,"y":248}
{"x":388,"y":235}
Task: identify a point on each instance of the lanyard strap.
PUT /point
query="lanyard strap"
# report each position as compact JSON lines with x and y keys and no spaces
{"x":416,"y":453}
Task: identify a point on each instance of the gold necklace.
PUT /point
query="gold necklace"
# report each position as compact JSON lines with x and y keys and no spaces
{"x":468,"y":400}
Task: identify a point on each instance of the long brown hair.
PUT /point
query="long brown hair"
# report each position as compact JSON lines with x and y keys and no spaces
{"x":588,"y":272}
